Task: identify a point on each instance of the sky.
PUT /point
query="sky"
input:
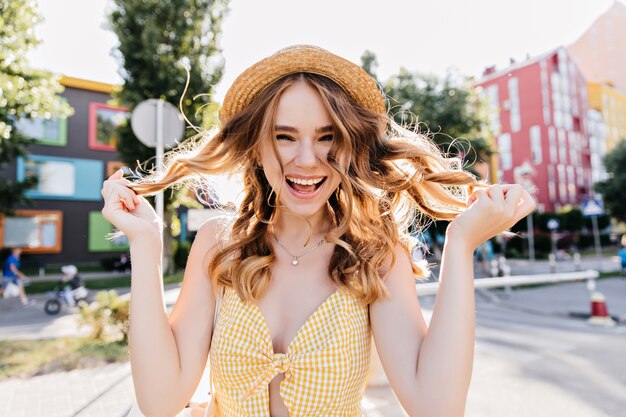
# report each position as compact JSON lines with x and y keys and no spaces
{"x":425,"y":36}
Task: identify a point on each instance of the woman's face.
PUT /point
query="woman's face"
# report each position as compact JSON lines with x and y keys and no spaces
{"x":303,"y":135}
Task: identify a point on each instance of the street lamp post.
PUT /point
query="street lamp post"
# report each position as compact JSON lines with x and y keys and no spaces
{"x":553,"y":225}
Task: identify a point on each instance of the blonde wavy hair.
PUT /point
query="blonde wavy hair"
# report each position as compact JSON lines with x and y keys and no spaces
{"x":394,"y":179}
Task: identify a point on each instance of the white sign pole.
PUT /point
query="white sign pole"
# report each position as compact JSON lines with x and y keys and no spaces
{"x":159,"y":153}
{"x":157,"y":124}
{"x":531,"y":237}
{"x":159,"y":167}
{"x":596,"y":238}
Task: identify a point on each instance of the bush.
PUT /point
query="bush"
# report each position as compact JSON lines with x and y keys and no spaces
{"x":108,"y":317}
{"x":181,"y":254}
{"x":587,"y":241}
{"x":517,"y":246}
{"x":108,"y":263}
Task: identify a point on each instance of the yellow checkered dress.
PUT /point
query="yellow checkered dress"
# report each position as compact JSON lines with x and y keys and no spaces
{"x":325,"y":365}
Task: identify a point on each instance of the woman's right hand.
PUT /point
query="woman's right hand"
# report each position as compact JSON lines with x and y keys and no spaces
{"x":130,"y":213}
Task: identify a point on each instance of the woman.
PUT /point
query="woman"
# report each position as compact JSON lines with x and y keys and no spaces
{"x":316,"y":259}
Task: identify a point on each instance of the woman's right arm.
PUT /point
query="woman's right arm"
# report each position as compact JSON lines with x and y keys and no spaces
{"x":167,"y":354}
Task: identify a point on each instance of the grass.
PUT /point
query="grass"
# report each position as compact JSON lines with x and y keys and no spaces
{"x":28,"y":358}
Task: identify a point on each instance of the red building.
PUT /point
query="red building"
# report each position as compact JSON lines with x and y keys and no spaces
{"x":538,"y":119}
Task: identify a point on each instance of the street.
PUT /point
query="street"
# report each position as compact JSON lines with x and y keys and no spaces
{"x":531,"y":360}
{"x":533,"y":357}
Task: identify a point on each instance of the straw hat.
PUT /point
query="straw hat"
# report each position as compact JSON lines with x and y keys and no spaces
{"x":302,"y":58}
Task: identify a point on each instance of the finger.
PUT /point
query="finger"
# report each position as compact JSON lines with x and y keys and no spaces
{"x":117,"y":175}
{"x":471,"y":199}
{"x":481,"y":195}
{"x":128,"y":201}
{"x":121,"y":197}
{"x":497,"y":195}
{"x":527,"y":206}
{"x":513,"y":196}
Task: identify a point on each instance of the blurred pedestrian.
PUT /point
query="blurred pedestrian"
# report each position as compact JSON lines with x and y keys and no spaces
{"x":622,"y":254}
{"x":70,"y":282}
{"x":13,"y":276}
{"x":123,"y":265}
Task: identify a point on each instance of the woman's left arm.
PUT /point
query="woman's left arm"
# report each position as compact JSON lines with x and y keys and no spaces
{"x":430,"y":368}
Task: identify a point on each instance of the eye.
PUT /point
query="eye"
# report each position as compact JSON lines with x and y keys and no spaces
{"x":284,"y":137}
{"x":327,"y":138}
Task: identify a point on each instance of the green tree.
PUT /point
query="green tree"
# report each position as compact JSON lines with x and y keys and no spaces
{"x":369,"y":63}
{"x":157,"y":41}
{"x":612,"y":189}
{"x":448,"y":108}
{"x":24,"y":93}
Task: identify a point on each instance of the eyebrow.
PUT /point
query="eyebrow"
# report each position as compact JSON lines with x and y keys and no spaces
{"x":324,"y":129}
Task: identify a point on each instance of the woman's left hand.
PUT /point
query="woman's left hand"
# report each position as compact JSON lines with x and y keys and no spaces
{"x":489,"y":212}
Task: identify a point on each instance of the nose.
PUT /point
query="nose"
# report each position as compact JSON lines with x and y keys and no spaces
{"x":306,"y":156}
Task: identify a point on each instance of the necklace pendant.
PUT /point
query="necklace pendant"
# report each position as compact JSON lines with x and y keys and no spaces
{"x":294,"y":261}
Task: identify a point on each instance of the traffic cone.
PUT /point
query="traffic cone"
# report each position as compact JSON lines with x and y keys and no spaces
{"x":599,"y":311}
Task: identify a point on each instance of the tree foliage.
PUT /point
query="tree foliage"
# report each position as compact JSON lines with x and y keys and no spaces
{"x":447,"y":108}
{"x":369,"y":63}
{"x":157,"y":40}
{"x":613,"y":189}
{"x":24,"y":92}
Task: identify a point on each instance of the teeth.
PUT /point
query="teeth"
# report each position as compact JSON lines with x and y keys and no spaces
{"x":306,"y":182}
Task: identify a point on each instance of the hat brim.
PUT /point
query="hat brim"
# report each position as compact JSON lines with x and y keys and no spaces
{"x":297,"y":59}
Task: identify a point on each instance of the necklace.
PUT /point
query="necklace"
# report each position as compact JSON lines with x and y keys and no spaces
{"x":294,"y":261}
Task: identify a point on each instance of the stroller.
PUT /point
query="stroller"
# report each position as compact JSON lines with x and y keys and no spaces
{"x":69,"y":291}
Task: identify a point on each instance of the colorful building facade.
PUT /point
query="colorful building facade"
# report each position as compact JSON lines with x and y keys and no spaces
{"x":538,"y":119}
{"x":611,"y":103}
{"x":71,"y":158}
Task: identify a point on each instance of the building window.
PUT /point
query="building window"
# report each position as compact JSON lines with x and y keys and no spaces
{"x":493,"y":100}
{"x":535,"y":144}
{"x":562,"y":183}
{"x":574,"y":148}
{"x":557,"y":105}
{"x":515,"y":106}
{"x":562,"y":146}
{"x":99,"y":229}
{"x":551,"y":183}
{"x":504,"y":148}
{"x":104,"y":124}
{"x":571,"y":184}
{"x":36,"y":231}
{"x":62,"y":178}
{"x":545,"y":92}
{"x":553,"y":146}
{"x":44,"y":131}
{"x":55,"y":178}
{"x":113,"y":166}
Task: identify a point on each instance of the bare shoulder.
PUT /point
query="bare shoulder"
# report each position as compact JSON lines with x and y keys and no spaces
{"x":397,"y":263}
{"x":212,"y":236}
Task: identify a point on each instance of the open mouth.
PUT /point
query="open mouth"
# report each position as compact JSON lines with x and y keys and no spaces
{"x":305,"y":186}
